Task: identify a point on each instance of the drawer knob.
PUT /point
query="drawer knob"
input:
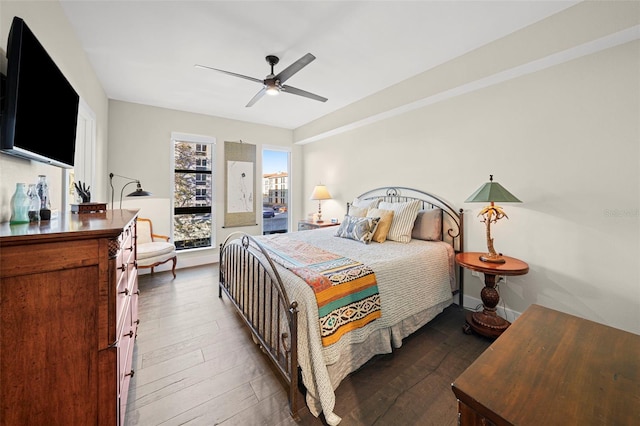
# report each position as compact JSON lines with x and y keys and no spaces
{"x":131,"y":373}
{"x":130,"y":334}
{"x":125,"y":292}
{"x":123,"y":267}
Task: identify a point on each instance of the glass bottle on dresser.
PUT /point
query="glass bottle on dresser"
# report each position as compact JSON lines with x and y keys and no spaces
{"x":34,"y":203}
{"x":20,"y":205}
{"x":43,"y":193}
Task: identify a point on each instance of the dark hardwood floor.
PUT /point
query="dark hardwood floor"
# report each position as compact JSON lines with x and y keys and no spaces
{"x":195,"y":364}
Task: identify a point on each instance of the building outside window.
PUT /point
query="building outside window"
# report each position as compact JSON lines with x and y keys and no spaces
{"x":193,"y":219}
{"x":275,"y":190}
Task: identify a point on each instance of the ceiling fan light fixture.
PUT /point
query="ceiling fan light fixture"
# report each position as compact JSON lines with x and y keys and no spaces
{"x":273,"y":88}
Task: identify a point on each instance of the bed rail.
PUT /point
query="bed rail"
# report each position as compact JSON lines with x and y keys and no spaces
{"x":251,"y":281}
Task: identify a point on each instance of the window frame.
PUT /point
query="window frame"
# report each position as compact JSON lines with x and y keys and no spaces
{"x":198,"y":140}
{"x":290,"y":182}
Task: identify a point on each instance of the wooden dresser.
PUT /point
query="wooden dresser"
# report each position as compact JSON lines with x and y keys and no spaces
{"x":551,"y":368}
{"x":68,"y":312}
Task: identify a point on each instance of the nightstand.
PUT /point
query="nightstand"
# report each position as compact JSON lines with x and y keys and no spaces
{"x":305,"y":225}
{"x":487,"y":322}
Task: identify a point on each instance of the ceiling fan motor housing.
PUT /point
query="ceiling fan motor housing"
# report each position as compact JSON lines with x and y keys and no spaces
{"x":272,"y":60}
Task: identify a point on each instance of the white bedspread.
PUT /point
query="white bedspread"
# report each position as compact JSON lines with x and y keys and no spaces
{"x":415,"y":281}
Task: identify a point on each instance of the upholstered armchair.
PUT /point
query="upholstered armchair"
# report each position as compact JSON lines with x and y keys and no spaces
{"x":154,"y":249}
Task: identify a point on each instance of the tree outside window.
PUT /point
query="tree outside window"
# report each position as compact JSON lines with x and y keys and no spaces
{"x":193,"y":207}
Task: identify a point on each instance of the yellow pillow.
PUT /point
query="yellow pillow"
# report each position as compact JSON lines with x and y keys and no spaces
{"x":386,"y":217}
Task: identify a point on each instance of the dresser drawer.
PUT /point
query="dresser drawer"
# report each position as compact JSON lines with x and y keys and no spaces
{"x":125,"y":346}
{"x":135,"y":295}
{"x":126,"y":275}
{"x":123,"y":295}
{"x":50,"y":257}
{"x":128,"y":245}
{"x":124,"y":393}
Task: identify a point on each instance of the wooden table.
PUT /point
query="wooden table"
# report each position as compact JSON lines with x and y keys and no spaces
{"x":550,"y":368}
{"x":487,"y":322}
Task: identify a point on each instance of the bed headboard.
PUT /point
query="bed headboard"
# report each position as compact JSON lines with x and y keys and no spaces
{"x":452,"y":223}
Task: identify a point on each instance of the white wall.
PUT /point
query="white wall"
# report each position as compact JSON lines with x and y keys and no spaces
{"x":47,"y":20}
{"x":140,"y":147}
{"x":564,"y":139}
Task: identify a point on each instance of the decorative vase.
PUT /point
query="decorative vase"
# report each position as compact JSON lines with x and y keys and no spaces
{"x":34,"y":203}
{"x":43,"y":193}
{"x":20,"y":205}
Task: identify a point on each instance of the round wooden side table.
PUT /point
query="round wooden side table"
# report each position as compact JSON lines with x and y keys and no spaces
{"x":487,"y":322}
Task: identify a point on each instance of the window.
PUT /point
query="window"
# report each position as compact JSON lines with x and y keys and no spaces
{"x":275,"y":190}
{"x":193,"y":218}
{"x":201,"y":180}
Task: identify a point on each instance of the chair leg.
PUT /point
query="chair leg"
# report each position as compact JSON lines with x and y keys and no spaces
{"x":173,"y":269}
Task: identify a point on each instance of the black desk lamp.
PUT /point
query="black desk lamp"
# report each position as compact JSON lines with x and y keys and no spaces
{"x":139,"y":192}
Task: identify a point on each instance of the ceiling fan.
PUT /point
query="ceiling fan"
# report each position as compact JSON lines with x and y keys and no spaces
{"x":274,"y":84}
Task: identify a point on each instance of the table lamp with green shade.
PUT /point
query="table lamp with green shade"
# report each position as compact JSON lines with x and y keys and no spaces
{"x":492,"y":192}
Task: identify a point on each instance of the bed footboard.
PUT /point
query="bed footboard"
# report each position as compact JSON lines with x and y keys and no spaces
{"x":251,"y":281}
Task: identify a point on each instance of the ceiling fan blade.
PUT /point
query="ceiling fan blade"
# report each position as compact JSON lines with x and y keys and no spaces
{"x":285,"y":74}
{"x":230,"y":73}
{"x":257,"y":97}
{"x":300,"y":92}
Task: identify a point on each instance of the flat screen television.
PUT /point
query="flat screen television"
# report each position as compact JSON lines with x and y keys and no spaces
{"x":40,"y":109}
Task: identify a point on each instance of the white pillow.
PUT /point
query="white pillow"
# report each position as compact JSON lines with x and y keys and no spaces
{"x":366,"y":204}
{"x":404,"y":215}
{"x":358,"y":211}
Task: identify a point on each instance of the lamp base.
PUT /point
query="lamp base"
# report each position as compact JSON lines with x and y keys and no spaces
{"x":492,"y":258}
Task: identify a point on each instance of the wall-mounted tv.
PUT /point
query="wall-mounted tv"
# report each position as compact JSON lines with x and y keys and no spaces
{"x":40,"y":110}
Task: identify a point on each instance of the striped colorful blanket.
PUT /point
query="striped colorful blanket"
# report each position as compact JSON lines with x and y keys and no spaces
{"x":346,"y":290}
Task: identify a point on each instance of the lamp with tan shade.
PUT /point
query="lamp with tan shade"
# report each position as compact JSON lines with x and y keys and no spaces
{"x":320,"y":192}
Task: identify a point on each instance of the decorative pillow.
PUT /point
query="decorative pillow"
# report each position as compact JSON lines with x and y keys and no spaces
{"x":386,"y":217}
{"x":357,"y":211}
{"x":358,"y":228}
{"x":404,"y":215}
{"x":366,"y":204}
{"x":428,"y":225}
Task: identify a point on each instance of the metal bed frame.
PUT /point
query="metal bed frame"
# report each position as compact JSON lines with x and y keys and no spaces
{"x":251,"y":281}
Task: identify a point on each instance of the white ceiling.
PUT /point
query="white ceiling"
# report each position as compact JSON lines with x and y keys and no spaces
{"x":145,"y":51}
